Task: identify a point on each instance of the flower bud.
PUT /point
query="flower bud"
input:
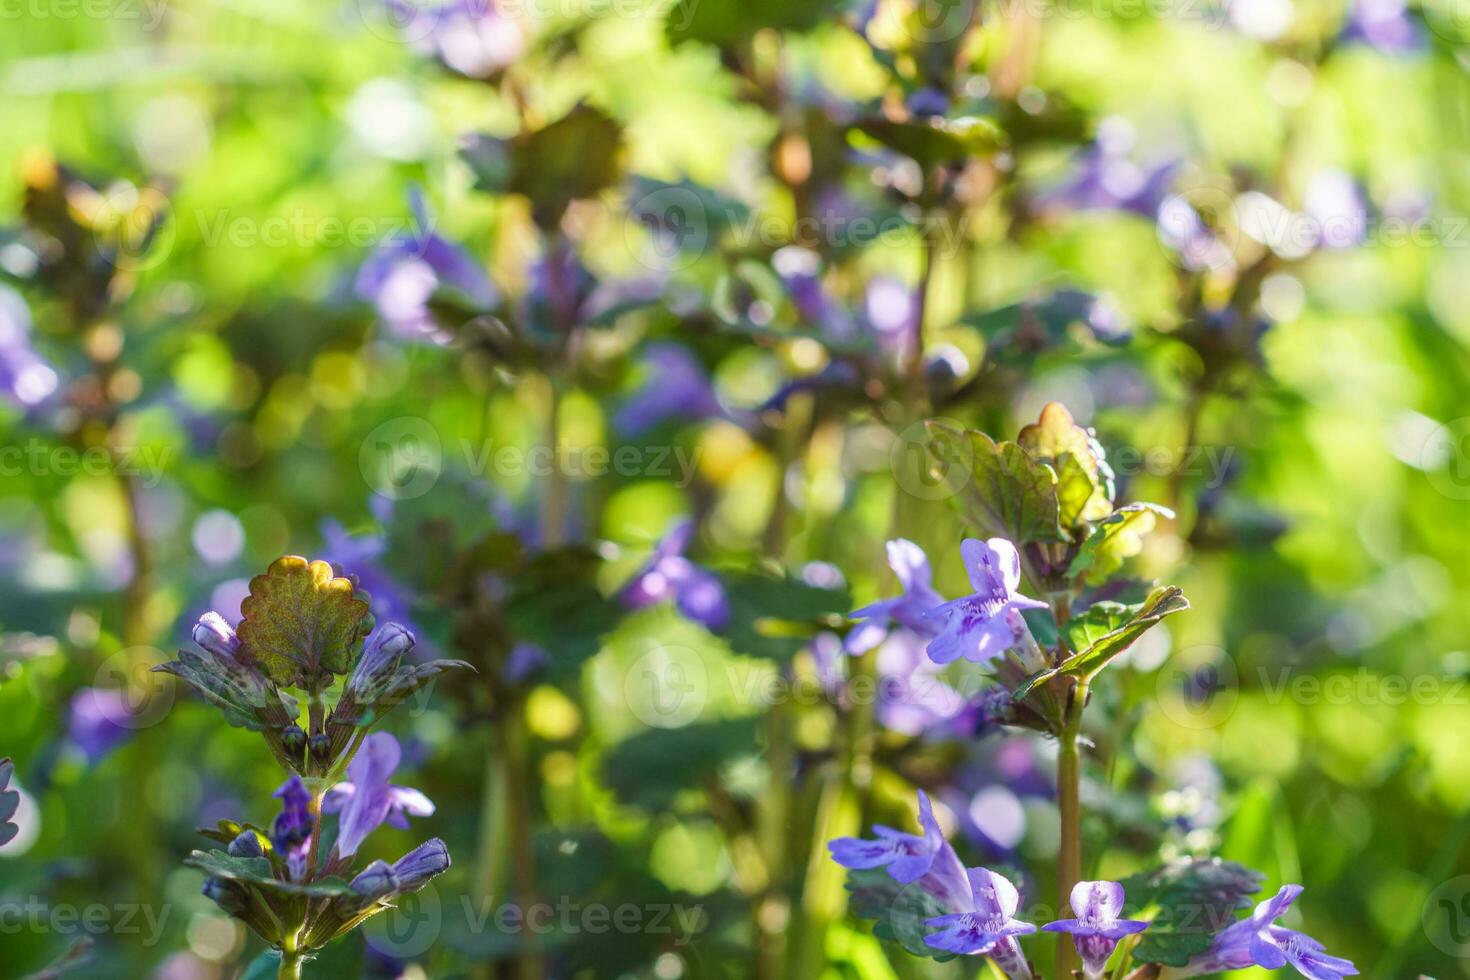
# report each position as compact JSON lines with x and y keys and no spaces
{"x":247,"y":844}
{"x":293,"y":738}
{"x":380,"y":656}
{"x":228,"y":895}
{"x":422,"y":863}
{"x":376,"y":880}
{"x":321,"y":746}
{"x":217,"y":637}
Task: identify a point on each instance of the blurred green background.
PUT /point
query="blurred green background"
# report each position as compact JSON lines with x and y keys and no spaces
{"x":1327,"y":574}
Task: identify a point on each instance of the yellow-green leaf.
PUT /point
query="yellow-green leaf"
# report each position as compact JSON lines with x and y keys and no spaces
{"x":300,"y":620}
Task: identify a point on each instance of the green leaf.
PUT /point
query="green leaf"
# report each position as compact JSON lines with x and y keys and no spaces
{"x":300,"y":620}
{"x":575,"y":157}
{"x":775,"y":617}
{"x":1107,"y":640}
{"x":730,"y":22}
{"x":256,"y":871}
{"x":931,"y":143}
{"x":1085,"y":481}
{"x":899,"y":911}
{"x":1004,"y":491}
{"x":1114,"y":540}
{"x":1190,"y":901}
{"x":653,"y":767}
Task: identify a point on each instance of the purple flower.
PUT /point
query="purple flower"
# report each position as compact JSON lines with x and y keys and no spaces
{"x":675,"y":387}
{"x":928,"y":859}
{"x":975,"y":627}
{"x":1338,"y":209}
{"x":1106,"y":179}
{"x":669,"y":575}
{"x":1383,"y":24}
{"x":988,"y":924}
{"x":25,"y":379}
{"x":523,"y":660}
{"x":1097,"y":928}
{"x":367,"y":801}
{"x":408,"y":269}
{"x":410,"y":872}
{"x":98,"y":721}
{"x":472,"y":37}
{"x":908,"y":610}
{"x":913,"y":700}
{"x":1258,"y":941}
{"x":291,"y":832}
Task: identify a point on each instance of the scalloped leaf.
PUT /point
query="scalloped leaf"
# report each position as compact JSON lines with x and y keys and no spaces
{"x":1190,"y":902}
{"x":301,"y":620}
{"x":1007,"y":493}
{"x":1084,"y":480}
{"x":1109,"y":634}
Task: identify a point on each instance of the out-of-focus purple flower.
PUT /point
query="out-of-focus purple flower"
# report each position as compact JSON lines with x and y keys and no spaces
{"x":1383,"y":24}
{"x":407,"y":269}
{"x":414,"y":869}
{"x":1338,"y":209}
{"x":1097,"y":928}
{"x":975,"y":627}
{"x":674,"y":387}
{"x":472,"y":37}
{"x":97,"y":721}
{"x":1182,"y":230}
{"x":1258,"y":941}
{"x":927,"y":859}
{"x":913,"y":699}
{"x":367,"y":800}
{"x":523,"y":660}
{"x":25,"y":378}
{"x":928,"y":101}
{"x":800,"y":270}
{"x":1105,"y":178}
{"x":564,"y":293}
{"x":669,"y":575}
{"x":291,"y":832}
{"x":362,"y":554}
{"x":909,"y":609}
{"x":987,"y":925}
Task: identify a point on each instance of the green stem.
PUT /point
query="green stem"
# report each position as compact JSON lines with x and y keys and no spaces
{"x":1069,"y":803}
{"x":290,"y":968}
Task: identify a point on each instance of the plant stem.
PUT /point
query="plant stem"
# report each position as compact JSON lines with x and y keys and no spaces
{"x":290,"y":968}
{"x":1069,"y":803}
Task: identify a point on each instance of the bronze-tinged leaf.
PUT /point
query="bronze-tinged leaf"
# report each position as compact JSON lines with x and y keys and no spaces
{"x":1085,"y":481}
{"x":1005,"y":492}
{"x":301,"y":621}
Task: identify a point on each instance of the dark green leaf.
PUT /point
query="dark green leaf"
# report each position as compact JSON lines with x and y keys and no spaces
{"x":1105,"y":645}
{"x":1001,"y":490}
{"x":899,"y":911}
{"x":653,"y":767}
{"x":1189,"y":902}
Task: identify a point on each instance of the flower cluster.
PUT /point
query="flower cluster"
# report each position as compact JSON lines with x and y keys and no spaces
{"x":981,"y":904}
{"x":303,"y":628}
{"x":981,"y":907}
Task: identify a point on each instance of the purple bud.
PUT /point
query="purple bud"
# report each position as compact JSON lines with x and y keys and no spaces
{"x":422,"y":863}
{"x":247,"y":845}
{"x":376,"y":880}
{"x":387,"y":645}
{"x":217,"y":637}
{"x":228,"y":895}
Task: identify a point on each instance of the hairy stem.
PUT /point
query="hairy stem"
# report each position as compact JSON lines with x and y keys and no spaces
{"x":290,"y":968}
{"x":1069,"y":803}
